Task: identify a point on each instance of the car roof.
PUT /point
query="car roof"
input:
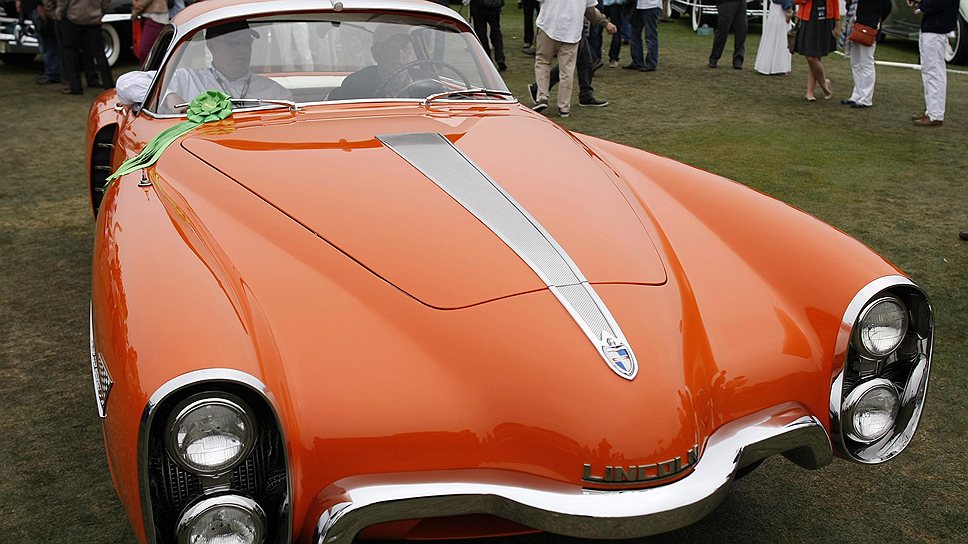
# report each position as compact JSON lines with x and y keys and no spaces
{"x":202,"y":13}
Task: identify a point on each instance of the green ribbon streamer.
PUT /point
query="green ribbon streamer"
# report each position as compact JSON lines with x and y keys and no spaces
{"x":206,"y":107}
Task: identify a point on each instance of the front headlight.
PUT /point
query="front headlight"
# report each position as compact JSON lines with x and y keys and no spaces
{"x":224,"y":519}
{"x":871,"y":409}
{"x":881,"y":327}
{"x":210,"y":435}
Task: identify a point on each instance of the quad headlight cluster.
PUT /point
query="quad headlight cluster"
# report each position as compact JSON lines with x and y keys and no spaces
{"x":876,"y":401}
{"x":209,"y":436}
{"x":213,"y":471}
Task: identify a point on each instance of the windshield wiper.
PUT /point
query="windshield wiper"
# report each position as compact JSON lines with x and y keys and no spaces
{"x":466,"y":93}
{"x":278,"y":102}
{"x":257,"y":101}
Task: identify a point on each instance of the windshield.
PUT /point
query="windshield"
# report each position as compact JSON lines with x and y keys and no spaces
{"x":319,"y":57}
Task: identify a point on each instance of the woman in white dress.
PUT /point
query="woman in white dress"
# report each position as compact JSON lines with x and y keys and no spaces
{"x":773,"y":55}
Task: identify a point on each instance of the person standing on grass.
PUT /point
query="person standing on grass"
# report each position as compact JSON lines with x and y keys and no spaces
{"x":862,"y":68}
{"x":615,"y":11}
{"x":938,"y":18}
{"x":585,"y":70}
{"x":773,"y":56}
{"x":560,"y":28}
{"x":153,"y":15}
{"x":80,"y":22}
{"x":645,"y":17}
{"x":731,"y":15}
{"x":487,"y":14}
{"x":817,"y":38}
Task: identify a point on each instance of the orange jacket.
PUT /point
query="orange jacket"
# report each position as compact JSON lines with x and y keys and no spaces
{"x":806,"y":7}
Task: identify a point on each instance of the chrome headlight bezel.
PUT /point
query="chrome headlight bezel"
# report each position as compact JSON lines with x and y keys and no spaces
{"x":202,"y":400}
{"x":907,"y":367}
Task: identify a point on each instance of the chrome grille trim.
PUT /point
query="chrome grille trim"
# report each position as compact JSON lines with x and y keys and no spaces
{"x":354,"y":503}
{"x":436,"y":157}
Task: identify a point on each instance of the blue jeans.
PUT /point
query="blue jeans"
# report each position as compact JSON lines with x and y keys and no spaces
{"x":47,"y":41}
{"x":647,"y":19}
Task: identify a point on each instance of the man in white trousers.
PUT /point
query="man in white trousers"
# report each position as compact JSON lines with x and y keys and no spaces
{"x":938,"y":18}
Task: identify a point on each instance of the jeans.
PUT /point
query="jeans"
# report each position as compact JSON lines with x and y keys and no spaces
{"x":647,"y":19}
{"x":49,"y":47}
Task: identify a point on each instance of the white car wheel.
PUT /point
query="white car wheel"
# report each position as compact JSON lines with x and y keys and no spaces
{"x":112,"y":43}
{"x":956,"y":52}
{"x":696,"y":17}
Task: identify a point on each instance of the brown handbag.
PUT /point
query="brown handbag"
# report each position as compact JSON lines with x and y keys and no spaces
{"x":863,"y":34}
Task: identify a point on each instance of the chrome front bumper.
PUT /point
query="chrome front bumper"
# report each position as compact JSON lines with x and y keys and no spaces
{"x":352,"y":504}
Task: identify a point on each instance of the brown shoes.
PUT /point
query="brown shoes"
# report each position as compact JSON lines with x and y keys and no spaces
{"x":926,"y":121}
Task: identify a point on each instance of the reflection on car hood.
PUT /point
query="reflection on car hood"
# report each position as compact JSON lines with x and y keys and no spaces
{"x":337,"y":179}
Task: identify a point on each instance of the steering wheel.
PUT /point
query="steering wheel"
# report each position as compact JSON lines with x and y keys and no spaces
{"x":379,"y":91}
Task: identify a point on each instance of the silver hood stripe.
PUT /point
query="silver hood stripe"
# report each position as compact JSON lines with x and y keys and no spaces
{"x":438,"y":159}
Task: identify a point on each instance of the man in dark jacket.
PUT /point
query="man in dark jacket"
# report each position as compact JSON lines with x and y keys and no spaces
{"x":80,"y":22}
{"x":938,"y":18}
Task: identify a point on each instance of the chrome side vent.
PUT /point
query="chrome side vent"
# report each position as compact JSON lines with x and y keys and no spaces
{"x":102,"y":378}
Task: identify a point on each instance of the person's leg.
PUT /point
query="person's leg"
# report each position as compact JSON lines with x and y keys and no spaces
{"x":635,"y":40}
{"x":724,"y":21}
{"x":480,"y":26}
{"x":865,"y":75}
{"x":856,"y":72}
{"x":71,"y":54}
{"x":529,"y":11}
{"x":817,"y":75}
{"x":595,"y":38}
{"x":584,"y":63}
{"x":95,"y":50}
{"x":497,"y":37}
{"x":149,"y":34}
{"x":567,"y":55}
{"x":933,"y":74}
{"x":650,"y":20}
{"x":544,"y":51}
{"x":615,"y":47}
{"x":740,"y":27}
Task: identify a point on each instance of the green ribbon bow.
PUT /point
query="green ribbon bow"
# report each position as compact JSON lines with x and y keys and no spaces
{"x":206,"y":107}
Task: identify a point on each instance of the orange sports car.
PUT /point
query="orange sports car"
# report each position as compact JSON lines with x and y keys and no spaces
{"x":345,"y":285}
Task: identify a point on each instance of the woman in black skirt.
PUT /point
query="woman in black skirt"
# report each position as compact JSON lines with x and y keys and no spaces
{"x":816,"y":38}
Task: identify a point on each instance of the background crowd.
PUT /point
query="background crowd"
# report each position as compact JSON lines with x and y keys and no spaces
{"x":571,"y":32}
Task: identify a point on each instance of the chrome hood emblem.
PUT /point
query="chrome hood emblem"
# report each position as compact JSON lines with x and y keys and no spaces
{"x":618,"y":356}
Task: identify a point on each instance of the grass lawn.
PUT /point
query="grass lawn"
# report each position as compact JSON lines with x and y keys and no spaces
{"x":899,"y":189}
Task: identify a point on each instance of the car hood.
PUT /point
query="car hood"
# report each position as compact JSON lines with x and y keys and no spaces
{"x":332,"y":174}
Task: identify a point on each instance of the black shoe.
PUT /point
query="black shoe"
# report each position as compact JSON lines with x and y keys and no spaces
{"x":596,"y":65}
{"x":593,"y":102}
{"x":963,"y":235}
{"x":541,"y":105}
{"x":533,"y":91}
{"x":647,"y":69}
{"x":859,"y":106}
{"x":632,"y":67}
{"x":847,"y":102}
{"x":563,"y":113}
{"x":712,"y":64}
{"x":501,"y":66}
{"x":737,"y":67}
{"x":69,"y":91}
{"x":44,"y":80}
